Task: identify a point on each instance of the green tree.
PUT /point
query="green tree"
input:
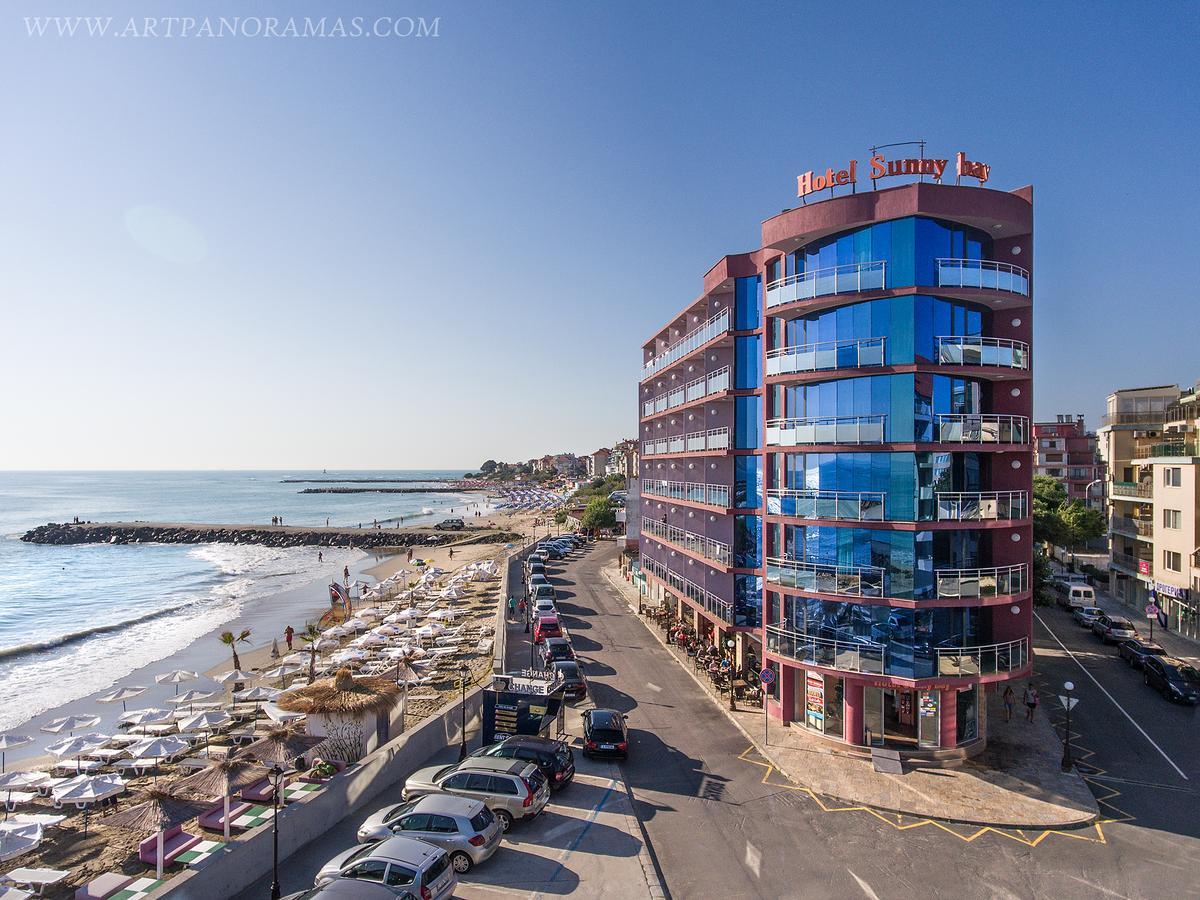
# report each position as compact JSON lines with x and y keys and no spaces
{"x":488,"y":467}
{"x":560,"y":517}
{"x":1080,"y":523}
{"x":230,"y":640}
{"x":599,"y":514}
{"x":310,"y":635}
{"x":1048,"y":499}
{"x":1043,"y":579}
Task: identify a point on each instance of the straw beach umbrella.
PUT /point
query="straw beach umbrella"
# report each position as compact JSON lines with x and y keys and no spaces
{"x":222,"y":779}
{"x":283,"y":743}
{"x":121,"y":695}
{"x":70,"y":724}
{"x":157,"y":812}
{"x":12,"y":742}
{"x":341,"y":699}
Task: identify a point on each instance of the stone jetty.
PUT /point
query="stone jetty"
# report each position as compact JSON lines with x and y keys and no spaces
{"x":267,"y":535}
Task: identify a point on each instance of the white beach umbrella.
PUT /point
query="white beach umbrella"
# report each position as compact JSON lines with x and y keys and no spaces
{"x":275,"y":714}
{"x":369,"y":639}
{"x":337,"y":631}
{"x":299,"y":658}
{"x":88,"y":789}
{"x":407,"y":615}
{"x":282,"y":671}
{"x":176,"y":677}
{"x":389,"y":630}
{"x":17,"y":839}
{"x":350,"y":655}
{"x":431,"y":630}
{"x":208,"y":722}
{"x":357,"y":624}
{"x":371,"y":612}
{"x":121,"y":695}
{"x":149,"y":716}
{"x":190,"y":697}
{"x":257,"y":694}
{"x":18,"y":781}
{"x":453,"y":593}
{"x":71,"y":724}
{"x":77,"y":746}
{"x":327,"y":643}
{"x":234,"y":676}
{"x":12,"y":742}
{"x":157,"y":748}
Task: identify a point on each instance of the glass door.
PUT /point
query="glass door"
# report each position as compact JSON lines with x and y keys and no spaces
{"x":929,"y":722}
{"x":873,"y":716}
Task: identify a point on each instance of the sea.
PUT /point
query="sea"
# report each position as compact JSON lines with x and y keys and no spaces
{"x":76,"y":619}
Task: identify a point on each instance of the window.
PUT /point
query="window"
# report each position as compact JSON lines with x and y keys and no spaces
{"x":967,"y":715}
{"x":399,"y":875}
{"x":503,"y":785}
{"x":415,"y":822}
{"x":1172,"y":518}
{"x":368,"y":870}
{"x":442,"y":825}
{"x":476,"y":782}
{"x":457,"y":782}
{"x":1172,"y":561}
{"x":1172,"y":476}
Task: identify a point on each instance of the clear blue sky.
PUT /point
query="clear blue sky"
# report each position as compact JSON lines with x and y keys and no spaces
{"x":386,"y":252}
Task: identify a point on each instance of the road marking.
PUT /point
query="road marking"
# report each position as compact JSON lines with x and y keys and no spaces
{"x":591,"y":820}
{"x":1149,"y":784}
{"x":866,"y":888}
{"x":654,"y":687}
{"x":1132,"y":721}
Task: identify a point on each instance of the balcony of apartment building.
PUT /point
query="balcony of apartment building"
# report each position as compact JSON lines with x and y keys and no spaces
{"x":1141,"y":491}
{"x":718,"y":326}
{"x":706,"y":386}
{"x":852,"y":278}
{"x":1139,"y":563}
{"x":1185,"y":450}
{"x":693,"y":492}
{"x":707,"y":549}
{"x":822,"y":356}
{"x":989,"y":583}
{"x":1141,"y":529}
{"x":700,"y":597}
{"x":949,"y":428}
{"x":699,"y":441}
{"x":984,"y":352}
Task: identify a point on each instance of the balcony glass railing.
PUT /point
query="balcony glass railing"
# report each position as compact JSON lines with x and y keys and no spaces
{"x":691,"y":491}
{"x":850,"y":354}
{"x":708,"y":601}
{"x":695,"y":442}
{"x":996,"y":581}
{"x":982,"y":351}
{"x":714,"y":327}
{"x":847,"y":279}
{"x":982,"y":506}
{"x":825,"y":430}
{"x":704,"y":386}
{"x":1175,"y":448}
{"x":812,"y":504}
{"x":983,"y":273}
{"x":1137,"y":528}
{"x":852,"y":581}
{"x":716,"y":551}
{"x":955,"y":428}
{"x":862,"y":655}
{"x":1137,"y":489}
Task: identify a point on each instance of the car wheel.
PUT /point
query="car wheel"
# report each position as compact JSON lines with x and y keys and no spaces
{"x":504,"y":817}
{"x":461,"y":862}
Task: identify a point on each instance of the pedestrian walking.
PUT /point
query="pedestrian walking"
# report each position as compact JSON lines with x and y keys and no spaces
{"x":320,"y":556}
{"x":1010,"y":697}
{"x":287,"y":635}
{"x":1031,"y":701}
{"x":346,"y":573}
{"x":512,"y":607}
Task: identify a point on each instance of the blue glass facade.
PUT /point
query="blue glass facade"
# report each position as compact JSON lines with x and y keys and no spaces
{"x":747,"y":303}
{"x":747,"y":600}
{"x":747,"y":542}
{"x":747,"y":481}
{"x":747,"y":373}
{"x":747,"y":422}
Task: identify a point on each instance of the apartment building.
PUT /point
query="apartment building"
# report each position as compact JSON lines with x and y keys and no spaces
{"x":1067,"y":452}
{"x":597,"y":462}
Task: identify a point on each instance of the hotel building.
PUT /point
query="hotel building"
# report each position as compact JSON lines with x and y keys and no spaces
{"x":837,"y":461}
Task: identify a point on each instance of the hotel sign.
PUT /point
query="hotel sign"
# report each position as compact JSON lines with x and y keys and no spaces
{"x":880,"y":167}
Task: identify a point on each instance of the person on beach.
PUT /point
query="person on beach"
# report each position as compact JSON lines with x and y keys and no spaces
{"x":287,"y":635}
{"x":452,"y":553}
{"x":320,"y":556}
{"x":1010,"y":697}
{"x":346,"y":573}
{"x":1031,"y":701}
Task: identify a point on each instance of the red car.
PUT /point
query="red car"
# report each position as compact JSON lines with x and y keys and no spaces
{"x":546,"y":627}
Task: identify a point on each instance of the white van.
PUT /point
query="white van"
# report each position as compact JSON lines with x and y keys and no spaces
{"x":1074,"y":594}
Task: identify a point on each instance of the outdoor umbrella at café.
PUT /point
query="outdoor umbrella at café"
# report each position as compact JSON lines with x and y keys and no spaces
{"x":222,"y":779}
{"x":158,"y":811}
{"x":70,"y":724}
{"x":12,"y":742}
{"x":121,"y":695}
{"x":176,"y":677}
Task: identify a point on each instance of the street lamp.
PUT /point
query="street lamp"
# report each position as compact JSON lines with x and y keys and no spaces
{"x":463,"y":672}
{"x":730,"y":644}
{"x":1068,"y":701}
{"x":276,"y":774}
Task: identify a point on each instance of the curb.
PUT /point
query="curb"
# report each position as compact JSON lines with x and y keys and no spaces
{"x":620,"y":588}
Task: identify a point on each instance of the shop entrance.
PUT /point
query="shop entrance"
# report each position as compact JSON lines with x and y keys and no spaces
{"x":890,"y":717}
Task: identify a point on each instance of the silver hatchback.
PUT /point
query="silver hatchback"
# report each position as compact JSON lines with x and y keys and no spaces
{"x":399,"y":863}
{"x":466,"y":829}
{"x":511,"y":788}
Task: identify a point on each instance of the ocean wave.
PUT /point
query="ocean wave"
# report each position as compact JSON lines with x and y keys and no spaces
{"x":74,"y":637}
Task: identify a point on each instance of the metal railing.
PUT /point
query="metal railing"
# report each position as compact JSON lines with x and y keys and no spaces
{"x":861,"y":506}
{"x":982,"y":273}
{"x":698,"y":337}
{"x":722,"y":609}
{"x":1137,"y":565}
{"x":848,"y":354}
{"x":846,"y":279}
{"x":1135,"y":418}
{"x":863,"y":655}
{"x":788,"y":432}
{"x":692,"y":491}
{"x":981,"y":506}
{"x":1173,"y":448}
{"x":972,"y":428}
{"x":851,"y":581}
{"x":1138,"y":528}
{"x":994,"y":581}
{"x":955,"y":350}
{"x":1138,"y":489}
{"x":694,"y":442}
{"x":704,"y":386}
{"x":717,"y":551}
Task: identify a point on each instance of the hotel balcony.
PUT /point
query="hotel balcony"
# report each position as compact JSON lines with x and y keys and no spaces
{"x":825,"y":430}
{"x":712,"y":550}
{"x":707,"y":601}
{"x":1174,"y":450}
{"x":862,"y":506}
{"x":983,"y":506}
{"x":985,"y":583}
{"x":849,"y":354}
{"x":692,"y":341}
{"x":984,"y":274}
{"x":1133,"y":490}
{"x":704,"y":386}
{"x":689,"y":491}
{"x":848,"y":279}
{"x":982,"y":351}
{"x":863,"y":655}
{"x":956,"y":428}
{"x":1140,"y":566}
{"x":694,"y":442}
{"x":849,"y":581}
{"x":1140,"y":529}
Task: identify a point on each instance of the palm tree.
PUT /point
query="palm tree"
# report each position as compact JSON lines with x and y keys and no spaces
{"x":310,"y":635}
{"x":230,"y":640}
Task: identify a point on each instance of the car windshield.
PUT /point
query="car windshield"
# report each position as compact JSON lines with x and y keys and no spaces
{"x":569,"y":669}
{"x":604,"y":720}
{"x":1121,"y":623}
{"x":399,"y":811}
{"x":482,"y":819}
{"x":357,"y":854}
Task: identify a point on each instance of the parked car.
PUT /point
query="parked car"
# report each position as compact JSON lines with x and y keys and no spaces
{"x":536,"y":578}
{"x":1086,"y":615}
{"x":511,"y":789}
{"x":550,"y":550}
{"x":537,"y":567}
{"x":535,"y":557}
{"x":543,"y":590}
{"x":1071,"y":594}
{"x":1113,"y":628}
{"x":1173,"y":678}
{"x":546,"y":627}
{"x":605,"y":733}
{"x":452,"y":524}
{"x":1135,"y":652}
{"x":575,"y":686}
{"x":466,"y":829}
{"x":554,"y":759}
{"x":556,"y":650}
{"x":543,"y":607}
{"x":398,"y":863}
{"x":351,"y":890}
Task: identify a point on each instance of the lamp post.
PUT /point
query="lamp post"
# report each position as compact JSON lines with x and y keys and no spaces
{"x":731,"y":644}
{"x":463,"y":672}
{"x":277,"y":780}
{"x":1068,"y":701}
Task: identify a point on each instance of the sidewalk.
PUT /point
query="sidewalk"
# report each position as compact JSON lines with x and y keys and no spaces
{"x":1016,"y":783}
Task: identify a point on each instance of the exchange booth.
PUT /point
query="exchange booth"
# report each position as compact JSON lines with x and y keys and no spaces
{"x":528,"y":702}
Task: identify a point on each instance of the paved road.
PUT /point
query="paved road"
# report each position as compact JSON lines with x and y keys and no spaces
{"x":715,"y":829}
